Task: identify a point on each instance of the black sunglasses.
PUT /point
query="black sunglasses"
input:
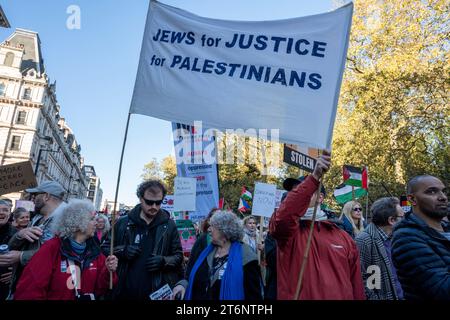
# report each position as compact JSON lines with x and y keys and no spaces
{"x":152,"y":202}
{"x":357,"y":209}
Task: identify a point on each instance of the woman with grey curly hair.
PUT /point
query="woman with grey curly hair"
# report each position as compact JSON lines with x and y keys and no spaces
{"x":103,"y":227}
{"x":70,"y":266}
{"x":227,"y":269}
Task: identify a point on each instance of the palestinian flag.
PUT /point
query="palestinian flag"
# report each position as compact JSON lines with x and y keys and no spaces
{"x":245,"y":201}
{"x":343,"y":193}
{"x":221,"y":202}
{"x":354,"y":176}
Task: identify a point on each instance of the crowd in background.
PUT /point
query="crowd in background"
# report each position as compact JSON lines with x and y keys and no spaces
{"x":61,"y":251}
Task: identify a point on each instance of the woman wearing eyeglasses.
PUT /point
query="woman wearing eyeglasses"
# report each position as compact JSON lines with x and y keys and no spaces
{"x":70,"y":266}
{"x":352,"y":218}
{"x":227,"y":269}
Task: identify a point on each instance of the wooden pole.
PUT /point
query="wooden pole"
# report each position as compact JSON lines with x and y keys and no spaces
{"x":113,"y":216}
{"x":308,"y":244}
{"x":367,"y":204}
{"x":353,"y":193}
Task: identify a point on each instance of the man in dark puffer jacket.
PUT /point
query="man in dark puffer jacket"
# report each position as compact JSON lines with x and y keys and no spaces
{"x":421,"y":242}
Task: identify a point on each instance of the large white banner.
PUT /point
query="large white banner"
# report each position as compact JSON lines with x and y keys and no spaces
{"x":283,"y":74}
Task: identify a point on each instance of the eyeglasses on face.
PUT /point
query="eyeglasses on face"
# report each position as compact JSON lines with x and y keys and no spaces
{"x":357,"y":209}
{"x":152,"y":202}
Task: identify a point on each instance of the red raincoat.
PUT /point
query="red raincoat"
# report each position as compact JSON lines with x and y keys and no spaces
{"x":333,"y":270}
{"x":47,"y":276}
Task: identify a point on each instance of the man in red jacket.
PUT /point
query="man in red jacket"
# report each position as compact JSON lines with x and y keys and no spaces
{"x":333,"y":267}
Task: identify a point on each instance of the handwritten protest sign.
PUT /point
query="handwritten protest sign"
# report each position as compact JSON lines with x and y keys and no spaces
{"x":16,"y":177}
{"x":185,"y":194}
{"x":264,"y":199}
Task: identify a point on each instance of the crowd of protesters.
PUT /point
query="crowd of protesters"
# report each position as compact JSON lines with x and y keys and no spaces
{"x":62,"y":251}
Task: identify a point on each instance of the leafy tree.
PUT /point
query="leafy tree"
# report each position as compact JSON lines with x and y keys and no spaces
{"x":165,"y":170}
{"x":393,"y":114}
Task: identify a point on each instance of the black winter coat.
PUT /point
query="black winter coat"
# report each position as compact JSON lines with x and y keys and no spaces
{"x":160,"y":237}
{"x":421,"y":255}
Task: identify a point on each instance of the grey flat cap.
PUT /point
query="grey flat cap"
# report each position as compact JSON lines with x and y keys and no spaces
{"x":51,"y":187}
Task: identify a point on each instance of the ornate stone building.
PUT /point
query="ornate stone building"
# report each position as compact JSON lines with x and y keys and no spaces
{"x":31,"y":126}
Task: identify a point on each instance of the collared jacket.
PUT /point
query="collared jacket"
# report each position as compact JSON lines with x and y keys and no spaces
{"x":47,"y":276}
{"x":421,"y":255}
{"x":160,"y":237}
{"x":333,"y":270}
{"x":30,"y":248}
{"x":372,"y":252}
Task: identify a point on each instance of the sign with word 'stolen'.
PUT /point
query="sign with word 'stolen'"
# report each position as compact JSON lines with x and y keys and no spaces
{"x":16,"y":177}
{"x":295,"y":157}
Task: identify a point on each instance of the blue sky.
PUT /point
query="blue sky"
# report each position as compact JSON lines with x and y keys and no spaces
{"x":95,"y":69}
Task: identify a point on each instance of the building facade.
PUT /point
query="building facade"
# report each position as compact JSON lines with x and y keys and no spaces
{"x":31,"y":126}
{"x":3,"y":20}
{"x":94,"y":193}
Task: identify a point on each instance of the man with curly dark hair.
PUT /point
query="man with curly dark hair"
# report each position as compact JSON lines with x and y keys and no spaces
{"x":148,"y":246}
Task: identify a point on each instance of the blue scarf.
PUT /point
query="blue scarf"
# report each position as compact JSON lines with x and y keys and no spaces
{"x":232,"y":285}
{"x":78,"y":248}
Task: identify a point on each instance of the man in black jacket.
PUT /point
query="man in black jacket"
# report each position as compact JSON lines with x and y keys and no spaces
{"x":148,"y":246}
{"x":421,"y":243}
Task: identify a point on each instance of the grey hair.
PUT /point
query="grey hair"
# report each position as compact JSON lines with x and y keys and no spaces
{"x":73,"y":218}
{"x":383,"y":209}
{"x":18,"y":212}
{"x":107,"y":224}
{"x":229,"y":224}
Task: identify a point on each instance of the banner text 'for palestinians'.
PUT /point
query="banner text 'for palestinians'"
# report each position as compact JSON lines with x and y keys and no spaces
{"x":267,"y":74}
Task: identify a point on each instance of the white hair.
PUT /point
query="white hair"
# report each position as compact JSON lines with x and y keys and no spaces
{"x":73,"y":218}
{"x":229,"y":224}
{"x":107,"y":224}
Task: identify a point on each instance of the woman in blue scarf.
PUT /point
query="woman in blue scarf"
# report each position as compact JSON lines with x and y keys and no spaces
{"x":227,"y":269}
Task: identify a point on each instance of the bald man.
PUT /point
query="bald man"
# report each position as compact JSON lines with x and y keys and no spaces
{"x":421,"y":242}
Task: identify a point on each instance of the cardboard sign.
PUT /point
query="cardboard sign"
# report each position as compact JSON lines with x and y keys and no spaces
{"x":16,"y":177}
{"x":264,"y":199}
{"x":185,"y":194}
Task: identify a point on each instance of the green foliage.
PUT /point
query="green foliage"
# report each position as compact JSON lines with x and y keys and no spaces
{"x":394,"y":109}
{"x":165,"y":170}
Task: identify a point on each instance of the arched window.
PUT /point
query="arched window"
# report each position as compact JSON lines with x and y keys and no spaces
{"x":9,"y":59}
